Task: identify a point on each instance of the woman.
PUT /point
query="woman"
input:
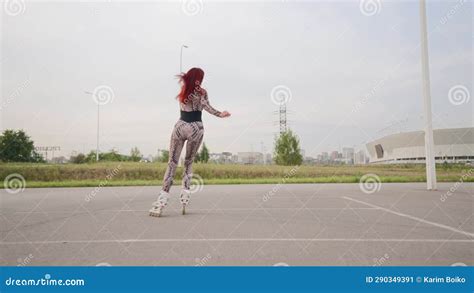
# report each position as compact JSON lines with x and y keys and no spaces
{"x":192,"y":100}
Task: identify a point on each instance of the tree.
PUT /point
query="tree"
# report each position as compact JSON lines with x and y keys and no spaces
{"x":79,"y":159}
{"x":112,"y":156}
{"x":197,"y":158}
{"x":135,"y":154}
{"x":287,"y":149}
{"x":165,"y":155}
{"x":204,"y":154}
{"x":16,"y":146}
{"x":91,"y":157}
{"x":37,"y":158}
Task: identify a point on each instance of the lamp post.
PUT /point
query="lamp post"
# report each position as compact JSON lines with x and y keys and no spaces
{"x":181,"y":58}
{"x":425,"y":73}
{"x":98,"y":121}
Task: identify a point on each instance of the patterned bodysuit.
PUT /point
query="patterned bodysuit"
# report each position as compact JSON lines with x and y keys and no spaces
{"x":192,"y":132}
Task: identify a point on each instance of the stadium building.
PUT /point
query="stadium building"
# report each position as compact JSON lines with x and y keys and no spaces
{"x":454,"y":145}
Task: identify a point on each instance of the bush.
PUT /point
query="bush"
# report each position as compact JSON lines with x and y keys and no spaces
{"x":79,"y":159}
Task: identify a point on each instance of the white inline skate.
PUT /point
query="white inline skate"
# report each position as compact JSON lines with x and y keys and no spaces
{"x":184,"y":199}
{"x":159,"y":204}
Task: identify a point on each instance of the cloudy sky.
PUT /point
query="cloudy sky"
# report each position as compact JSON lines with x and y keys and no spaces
{"x":350,"y":69}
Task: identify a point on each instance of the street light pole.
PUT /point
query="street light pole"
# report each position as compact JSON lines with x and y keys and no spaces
{"x":181,"y":58}
{"x":98,"y":121}
{"x":425,"y":71}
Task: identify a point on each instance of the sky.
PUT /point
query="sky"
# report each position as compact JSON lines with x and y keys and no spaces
{"x":350,"y":71}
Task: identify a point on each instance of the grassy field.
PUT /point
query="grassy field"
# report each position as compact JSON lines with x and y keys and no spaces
{"x":128,"y":173}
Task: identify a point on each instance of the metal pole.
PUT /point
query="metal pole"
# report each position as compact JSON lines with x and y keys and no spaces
{"x":97,"y":150}
{"x":425,"y":70}
{"x":181,"y":58}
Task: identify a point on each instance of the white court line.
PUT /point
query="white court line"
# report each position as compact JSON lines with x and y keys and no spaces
{"x":238,"y":240}
{"x":205,"y":210}
{"x":413,"y":217}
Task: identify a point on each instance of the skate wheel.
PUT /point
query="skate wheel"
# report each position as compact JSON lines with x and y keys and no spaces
{"x":155,"y":214}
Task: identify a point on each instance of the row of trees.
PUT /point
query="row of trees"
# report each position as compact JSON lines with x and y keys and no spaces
{"x":17,"y":146}
{"x":112,"y":155}
{"x":135,"y":156}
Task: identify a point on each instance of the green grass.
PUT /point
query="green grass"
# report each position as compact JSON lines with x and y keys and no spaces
{"x":345,"y":179}
{"x":142,"y":174}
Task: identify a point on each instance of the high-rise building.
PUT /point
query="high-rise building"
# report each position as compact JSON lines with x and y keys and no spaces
{"x":360,"y":157}
{"x":348,"y":155}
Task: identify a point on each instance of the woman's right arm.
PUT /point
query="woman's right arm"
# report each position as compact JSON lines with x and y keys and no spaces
{"x":211,"y":110}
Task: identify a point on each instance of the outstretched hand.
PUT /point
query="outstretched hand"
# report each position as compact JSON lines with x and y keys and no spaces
{"x":225,"y":114}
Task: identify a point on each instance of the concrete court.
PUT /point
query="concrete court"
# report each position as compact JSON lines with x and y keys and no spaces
{"x":294,"y":224}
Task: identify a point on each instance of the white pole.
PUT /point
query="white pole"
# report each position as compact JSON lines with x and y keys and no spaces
{"x":181,"y":58}
{"x":97,"y":150}
{"x":98,"y":111}
{"x":425,"y":70}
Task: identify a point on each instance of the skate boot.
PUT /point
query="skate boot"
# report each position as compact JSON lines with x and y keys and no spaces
{"x":159,"y":204}
{"x":184,"y":199}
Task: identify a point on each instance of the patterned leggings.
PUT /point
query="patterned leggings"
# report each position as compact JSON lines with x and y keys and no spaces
{"x":193,"y":133}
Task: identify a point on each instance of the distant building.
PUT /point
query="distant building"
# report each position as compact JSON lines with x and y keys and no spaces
{"x":348,"y":155}
{"x":249,"y":158}
{"x":335,"y":155}
{"x":310,"y":161}
{"x":454,"y":145}
{"x":324,"y":156}
{"x":58,"y":160}
{"x":268,"y":159}
{"x":147,"y":159}
{"x":360,"y":157}
{"x":234,"y":159}
{"x":221,"y":158}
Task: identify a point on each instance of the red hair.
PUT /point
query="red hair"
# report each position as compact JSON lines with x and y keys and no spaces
{"x":191,"y":83}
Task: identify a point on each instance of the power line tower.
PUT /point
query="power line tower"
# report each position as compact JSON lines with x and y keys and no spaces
{"x":283,"y":127}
